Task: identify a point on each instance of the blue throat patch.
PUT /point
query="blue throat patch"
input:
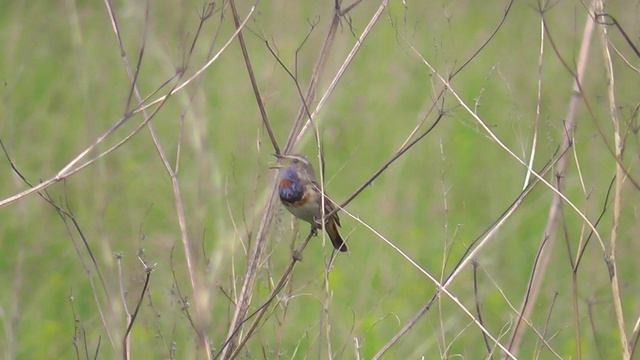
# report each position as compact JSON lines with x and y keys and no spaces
{"x":289,"y":188}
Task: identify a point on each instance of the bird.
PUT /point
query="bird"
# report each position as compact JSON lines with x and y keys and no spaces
{"x":300,"y":194}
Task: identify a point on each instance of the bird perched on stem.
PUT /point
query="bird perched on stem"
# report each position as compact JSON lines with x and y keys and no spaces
{"x":301,"y":195}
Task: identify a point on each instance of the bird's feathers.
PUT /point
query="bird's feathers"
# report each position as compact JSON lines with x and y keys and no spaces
{"x":301,"y":195}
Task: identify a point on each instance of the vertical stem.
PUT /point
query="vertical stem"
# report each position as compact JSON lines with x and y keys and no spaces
{"x":617,"y":192}
{"x":554,"y":210}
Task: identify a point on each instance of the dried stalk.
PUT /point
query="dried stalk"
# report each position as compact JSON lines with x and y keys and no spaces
{"x":556,"y":202}
{"x":617,"y":193}
{"x":466,"y":258}
{"x":75,"y":165}
{"x":242,"y":303}
{"x":254,"y":83}
{"x":199,"y":292}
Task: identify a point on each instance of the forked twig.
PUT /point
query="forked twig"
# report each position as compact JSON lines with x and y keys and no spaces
{"x":134,"y":315}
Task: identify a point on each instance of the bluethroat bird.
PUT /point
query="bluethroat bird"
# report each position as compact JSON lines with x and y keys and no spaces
{"x":300,"y":194}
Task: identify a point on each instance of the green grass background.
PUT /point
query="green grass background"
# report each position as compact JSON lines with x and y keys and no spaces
{"x":63,"y":83}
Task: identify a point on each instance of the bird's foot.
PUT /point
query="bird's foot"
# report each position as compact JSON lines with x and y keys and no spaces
{"x":296,"y":255}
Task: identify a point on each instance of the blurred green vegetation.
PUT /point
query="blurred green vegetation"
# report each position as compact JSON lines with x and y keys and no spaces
{"x":63,"y":83}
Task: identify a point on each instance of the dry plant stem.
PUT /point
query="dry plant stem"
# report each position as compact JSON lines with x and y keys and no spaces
{"x":546,"y":325}
{"x":64,"y":215}
{"x":76,"y":325}
{"x":242,"y":303}
{"x":183,"y":300}
{"x":617,"y":194}
{"x":588,"y":107}
{"x":477,"y":302}
{"x":125,"y":348}
{"x":554,"y":210}
{"x":574,"y":283}
{"x":606,"y":19}
{"x":541,"y":336}
{"x":127,"y":339}
{"x":634,"y":344}
{"x":75,"y":165}
{"x":384,"y":167}
{"x":536,"y":121}
{"x":576,"y":313}
{"x":343,"y":68}
{"x":466,"y":258}
{"x":501,"y":144}
{"x":624,"y":59}
{"x":318,"y":70}
{"x":594,"y":327}
{"x":202,"y":68}
{"x":296,"y":257}
{"x":246,"y":292}
{"x":441,"y":287}
{"x":423,"y":310}
{"x":254,"y":84}
{"x":199,"y":293}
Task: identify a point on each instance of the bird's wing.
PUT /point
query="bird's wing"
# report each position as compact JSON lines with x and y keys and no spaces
{"x":329,"y":205}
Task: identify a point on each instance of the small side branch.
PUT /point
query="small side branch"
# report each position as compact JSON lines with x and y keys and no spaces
{"x":134,"y":315}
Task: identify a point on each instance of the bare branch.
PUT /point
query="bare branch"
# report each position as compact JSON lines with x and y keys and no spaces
{"x":533,"y":287}
{"x":73,"y":166}
{"x":254,"y":84}
{"x":295,"y":257}
{"x":125,"y":349}
{"x":465,"y":259}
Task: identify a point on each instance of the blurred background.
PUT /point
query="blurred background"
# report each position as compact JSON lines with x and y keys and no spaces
{"x":64,"y":83}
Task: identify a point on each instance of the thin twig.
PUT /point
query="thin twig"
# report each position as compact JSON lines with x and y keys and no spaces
{"x":66,"y":214}
{"x":254,"y":83}
{"x":318,"y":70}
{"x":501,"y":144}
{"x":581,"y":93}
{"x":477,"y":302}
{"x":242,"y":303}
{"x":469,"y":254}
{"x":372,"y":22}
{"x":125,"y":349}
{"x":296,"y":257}
{"x":536,"y":120}
{"x":540,"y":336}
{"x":441,"y":287}
{"x":536,"y":277}
{"x":617,"y":194}
{"x":574,"y":286}
{"x":198,"y":291}
{"x":127,"y":339}
{"x":73,"y":166}
{"x":388,"y":163}
{"x":546,"y":324}
{"x":593,"y":328}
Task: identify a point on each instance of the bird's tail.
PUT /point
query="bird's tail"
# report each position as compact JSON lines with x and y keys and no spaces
{"x":334,"y":235}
